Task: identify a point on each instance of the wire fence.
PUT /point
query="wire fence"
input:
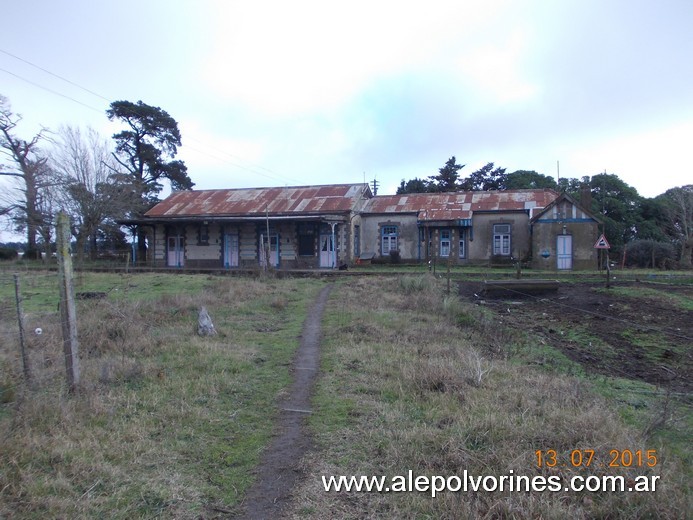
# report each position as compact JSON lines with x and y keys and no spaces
{"x":123,"y":319}
{"x":31,"y":353}
{"x":31,"y":337}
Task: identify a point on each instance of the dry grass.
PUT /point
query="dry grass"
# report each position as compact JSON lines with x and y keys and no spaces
{"x":170,"y":425}
{"x":164,"y":424}
{"x":409,"y":385}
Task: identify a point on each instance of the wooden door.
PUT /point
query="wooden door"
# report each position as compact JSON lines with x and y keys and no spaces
{"x":326,"y":250}
{"x":230,"y":250}
{"x":176,"y":251}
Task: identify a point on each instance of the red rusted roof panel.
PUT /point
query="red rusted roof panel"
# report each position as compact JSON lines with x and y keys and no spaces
{"x":260,"y":201}
{"x":459,"y":205}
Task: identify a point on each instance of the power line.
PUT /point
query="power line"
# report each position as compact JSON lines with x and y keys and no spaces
{"x":276,"y":177}
{"x":235,"y":164}
{"x":54,"y":75}
{"x":51,"y":91}
{"x":241,"y":159}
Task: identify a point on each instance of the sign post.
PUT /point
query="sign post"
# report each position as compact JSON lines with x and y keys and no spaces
{"x":603,"y":243}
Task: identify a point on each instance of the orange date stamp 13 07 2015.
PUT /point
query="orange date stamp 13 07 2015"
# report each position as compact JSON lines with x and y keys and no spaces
{"x":587,"y":458}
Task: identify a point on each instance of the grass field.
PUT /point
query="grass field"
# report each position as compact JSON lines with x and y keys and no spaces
{"x":415,"y":381}
{"x":170,"y":425}
{"x":165,"y":423}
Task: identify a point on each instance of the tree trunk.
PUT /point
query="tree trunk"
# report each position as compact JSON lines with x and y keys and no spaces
{"x":79,"y":247}
{"x":31,"y":224}
{"x":686,"y":252}
{"x":93,"y":253}
{"x":653,"y":255}
{"x":141,"y":246}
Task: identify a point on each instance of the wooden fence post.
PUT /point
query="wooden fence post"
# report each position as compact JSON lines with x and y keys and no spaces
{"x":68,"y":311}
{"x":22,"y":339}
{"x":448,"y":269}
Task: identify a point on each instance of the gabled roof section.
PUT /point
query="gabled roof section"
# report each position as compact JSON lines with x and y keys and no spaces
{"x":287,"y":201}
{"x":548,"y":213}
{"x":459,"y":205}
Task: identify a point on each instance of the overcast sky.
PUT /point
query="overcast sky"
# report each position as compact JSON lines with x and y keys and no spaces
{"x":295,"y":92}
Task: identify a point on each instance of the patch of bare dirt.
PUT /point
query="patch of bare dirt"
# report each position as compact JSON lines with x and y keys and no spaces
{"x":643,"y":338}
{"x":280,"y":466}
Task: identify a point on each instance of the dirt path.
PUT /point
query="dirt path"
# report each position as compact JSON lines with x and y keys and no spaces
{"x":279,"y":467}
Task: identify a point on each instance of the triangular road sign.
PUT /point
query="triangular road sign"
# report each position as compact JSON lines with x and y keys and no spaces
{"x":602,"y":243}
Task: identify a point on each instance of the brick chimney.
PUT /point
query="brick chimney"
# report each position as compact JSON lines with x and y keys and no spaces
{"x":586,"y":197}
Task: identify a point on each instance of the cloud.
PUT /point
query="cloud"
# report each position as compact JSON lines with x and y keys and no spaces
{"x":285,"y":58}
{"x":493,"y":72}
{"x":213,"y":147}
{"x":649,"y":160}
{"x":273,"y":92}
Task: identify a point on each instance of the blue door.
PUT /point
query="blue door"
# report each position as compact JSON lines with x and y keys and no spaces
{"x":564,"y":252}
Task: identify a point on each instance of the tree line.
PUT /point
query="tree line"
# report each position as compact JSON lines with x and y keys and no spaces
{"x":97,"y":182}
{"x":651,"y":232}
{"x":102,"y":183}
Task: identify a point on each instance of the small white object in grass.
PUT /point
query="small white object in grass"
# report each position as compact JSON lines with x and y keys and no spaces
{"x":205,"y":327}
{"x":38,"y":331}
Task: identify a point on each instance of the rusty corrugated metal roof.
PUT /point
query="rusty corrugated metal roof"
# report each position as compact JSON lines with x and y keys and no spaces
{"x":459,"y":205}
{"x":294,"y":200}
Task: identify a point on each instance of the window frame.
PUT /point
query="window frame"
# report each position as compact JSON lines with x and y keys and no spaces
{"x":445,"y":240}
{"x":388,"y":235}
{"x":462,"y":250}
{"x":203,"y":234}
{"x":502,"y":240}
{"x":305,"y":243}
{"x":306,"y":235}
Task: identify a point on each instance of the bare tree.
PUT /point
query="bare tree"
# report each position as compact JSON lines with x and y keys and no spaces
{"x":86,"y":167}
{"x":47,"y":206}
{"x":29,"y":170}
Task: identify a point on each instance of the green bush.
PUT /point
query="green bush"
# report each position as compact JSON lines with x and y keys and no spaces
{"x":7,"y":253}
{"x":32,"y":254}
{"x":650,"y":254}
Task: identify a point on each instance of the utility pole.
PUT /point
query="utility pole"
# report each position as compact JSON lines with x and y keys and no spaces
{"x":68,"y":311}
{"x":375,"y":185}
